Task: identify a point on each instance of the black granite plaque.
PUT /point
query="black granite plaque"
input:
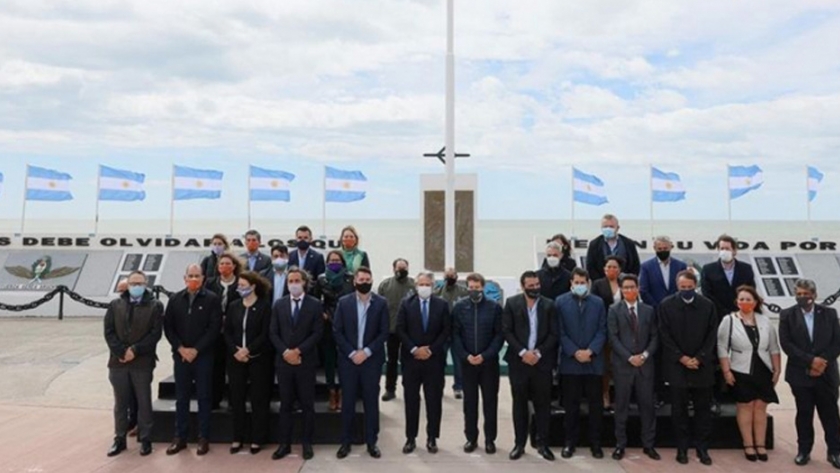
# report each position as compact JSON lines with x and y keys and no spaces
{"x":152,"y":263}
{"x":787,"y":265}
{"x":132,"y":262}
{"x":791,"y":286}
{"x":773,"y":287}
{"x":765,"y":266}
{"x":150,"y":280}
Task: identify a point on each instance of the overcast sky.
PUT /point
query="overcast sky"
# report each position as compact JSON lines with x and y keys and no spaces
{"x":608,"y":86}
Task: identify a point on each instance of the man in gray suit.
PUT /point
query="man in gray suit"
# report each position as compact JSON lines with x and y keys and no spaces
{"x":634,"y":338}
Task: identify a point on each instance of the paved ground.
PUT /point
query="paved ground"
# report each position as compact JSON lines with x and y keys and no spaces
{"x":55,"y":416}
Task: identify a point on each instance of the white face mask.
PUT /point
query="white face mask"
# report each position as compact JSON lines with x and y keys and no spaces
{"x":552,"y":261}
{"x":424,"y":292}
{"x":295,"y":289}
{"x":726,"y":256}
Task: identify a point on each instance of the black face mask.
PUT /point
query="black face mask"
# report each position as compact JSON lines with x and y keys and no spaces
{"x":401,"y":274}
{"x":532,"y":293}
{"x":663,"y":255}
{"x":451,"y":281}
{"x":364,"y":287}
{"x":476,"y":296}
{"x":804,"y":302}
{"x":302,"y":245}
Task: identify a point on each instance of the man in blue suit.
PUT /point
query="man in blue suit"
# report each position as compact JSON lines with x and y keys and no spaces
{"x":305,"y":257}
{"x":360,"y":328}
{"x":582,"y":328}
{"x":658,"y":276}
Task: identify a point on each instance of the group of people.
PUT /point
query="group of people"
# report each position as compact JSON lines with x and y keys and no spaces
{"x":653,"y":330}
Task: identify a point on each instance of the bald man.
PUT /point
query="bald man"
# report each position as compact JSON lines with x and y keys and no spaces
{"x":192,"y":322}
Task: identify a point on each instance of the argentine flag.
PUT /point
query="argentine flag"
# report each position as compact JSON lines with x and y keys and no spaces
{"x":588,"y":189}
{"x":343,"y":186}
{"x":1,"y":183}
{"x":117,"y":184}
{"x":46,"y":184}
{"x":265,"y":184}
{"x":815,"y":177}
{"x":743,"y":179}
{"x":665,"y":186}
{"x":190,"y":183}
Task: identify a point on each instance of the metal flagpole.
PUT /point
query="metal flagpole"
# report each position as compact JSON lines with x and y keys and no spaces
{"x":450,"y":137}
{"x":808,"y":193}
{"x":98,"y":191}
{"x":650,"y":176}
{"x":249,"y":198}
{"x":324,"y":205}
{"x":572,"y":193}
{"x":25,"y":187}
{"x":172,"y":204}
{"x":728,"y":202}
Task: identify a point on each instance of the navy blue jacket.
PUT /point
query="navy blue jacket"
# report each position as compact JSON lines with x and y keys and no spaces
{"x":477,"y":329}
{"x":581,"y":325}
{"x":346,"y":328}
{"x":651,"y":284}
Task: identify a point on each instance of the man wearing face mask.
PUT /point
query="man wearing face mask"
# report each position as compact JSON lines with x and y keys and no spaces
{"x":192,"y":321}
{"x":394,"y":289}
{"x":476,"y":341}
{"x":687,"y":334}
{"x":566,"y":261}
{"x":529,"y":325}
{"x":582,"y":329}
{"x":279,"y":264}
{"x":722,"y":277}
{"x":451,"y":292}
{"x":256,"y":261}
{"x":133,"y":325}
{"x":423,"y":325}
{"x":611,"y":243}
{"x":555,"y":280}
{"x":218,"y":245}
{"x":810,"y":335}
{"x":305,"y":257}
{"x":658,"y":275}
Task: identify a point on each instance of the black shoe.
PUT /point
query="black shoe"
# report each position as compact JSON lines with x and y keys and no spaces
{"x":203,"y":447}
{"x":431,"y":446}
{"x":255,"y":449}
{"x":682,"y":457}
{"x":389,"y":395}
{"x":762,"y":457}
{"x":409,"y":446}
{"x":651,"y":453}
{"x":751,"y":457}
{"x":802,"y":459}
{"x":618,"y":453}
{"x":489,"y":447}
{"x":234,"y":449}
{"x":373,"y":451}
{"x":307,"y":452}
{"x":517,"y":452}
{"x":117,"y":447}
{"x":459,"y":394}
{"x":704,"y":457}
{"x":567,"y":452}
{"x":343,"y":451}
{"x":715,"y":409}
{"x":546,"y":453}
{"x":145,"y":448}
{"x":597,"y":452}
{"x":834,"y":460}
{"x":281,"y":452}
{"x":176,"y":446}
{"x":470,"y":446}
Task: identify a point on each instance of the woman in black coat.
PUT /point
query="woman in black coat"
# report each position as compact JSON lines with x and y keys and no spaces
{"x":218,"y":245}
{"x":609,"y":290}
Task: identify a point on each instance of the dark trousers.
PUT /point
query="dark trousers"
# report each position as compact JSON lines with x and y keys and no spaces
{"x":823,"y":397}
{"x":484,"y":377}
{"x":428,"y":375}
{"x":625,"y":386}
{"x":328,"y":355}
{"x":391,"y":373}
{"x":457,"y":369}
{"x":533,"y":385}
{"x":296,"y":383}
{"x":360,"y":380}
{"x":132,"y":409}
{"x":131,"y":384}
{"x":200,"y":372}
{"x":251,"y":381}
{"x":702,"y":399}
{"x":220,"y":356}
{"x":574,"y":389}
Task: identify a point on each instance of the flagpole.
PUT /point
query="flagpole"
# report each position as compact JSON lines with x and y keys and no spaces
{"x":25,"y":187}
{"x":249,"y":197}
{"x":98,"y":191}
{"x":172,"y":204}
{"x":728,"y":202}
{"x":324,"y":204}
{"x":808,"y":193}
{"x":449,"y":210}
{"x":572,"y":192}
{"x":650,"y":181}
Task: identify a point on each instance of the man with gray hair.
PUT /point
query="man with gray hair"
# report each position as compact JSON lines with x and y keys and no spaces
{"x":423,"y":325}
{"x":658,"y":275}
{"x":610,"y":243}
{"x":555,"y":280}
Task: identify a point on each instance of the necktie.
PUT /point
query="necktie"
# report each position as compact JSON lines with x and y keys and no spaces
{"x":425,"y":315}
{"x":634,"y":325}
{"x":296,"y":312}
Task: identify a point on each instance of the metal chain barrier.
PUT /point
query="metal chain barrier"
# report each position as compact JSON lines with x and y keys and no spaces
{"x":32,"y":305}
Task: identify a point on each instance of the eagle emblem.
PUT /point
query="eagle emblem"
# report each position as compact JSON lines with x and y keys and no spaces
{"x":40,"y":270}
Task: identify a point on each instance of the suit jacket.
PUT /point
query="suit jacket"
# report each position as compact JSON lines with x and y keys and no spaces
{"x":626,"y":343}
{"x":581,"y":325}
{"x":256,"y":330}
{"x":601,"y":288}
{"x":138,"y":326}
{"x":304,"y":334}
{"x":346,"y":328}
{"x":717,"y":288}
{"x":690,"y":330}
{"x":554,"y":282}
{"x":262,"y":266}
{"x":411,"y":333}
{"x":595,"y":258}
{"x":652,"y":286}
{"x":793,"y":335}
{"x":516,"y":329}
{"x":193,"y":325}
{"x":314,"y":264}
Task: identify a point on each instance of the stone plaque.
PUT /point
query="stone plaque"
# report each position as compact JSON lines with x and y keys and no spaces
{"x":765,"y":266}
{"x":152,"y":263}
{"x":787,"y":265}
{"x":131,"y":262}
{"x":434,"y":230}
{"x":773,"y":287}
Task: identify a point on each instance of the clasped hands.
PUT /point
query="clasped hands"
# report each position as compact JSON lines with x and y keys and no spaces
{"x":818,"y":366}
{"x":188,"y":354}
{"x":422,"y":353}
{"x":531,"y":357}
{"x":584,"y":356}
{"x":292,"y":356}
{"x":128,"y":356}
{"x":690,"y":362}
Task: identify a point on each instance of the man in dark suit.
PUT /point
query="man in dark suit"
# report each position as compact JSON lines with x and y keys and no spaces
{"x":192,"y":321}
{"x":555,"y":280}
{"x":609,"y":242}
{"x":721,"y":278}
{"x":688,"y":333}
{"x":305,"y":257}
{"x":582,"y":331}
{"x":634,"y":338}
{"x":423,"y":325}
{"x":297,"y":324}
{"x":530,"y":328}
{"x":360,"y":328}
{"x":658,"y":275}
{"x":810,"y":335}
{"x":255,"y":260}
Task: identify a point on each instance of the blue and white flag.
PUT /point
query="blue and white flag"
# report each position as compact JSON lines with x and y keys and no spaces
{"x":815,"y":177}
{"x":666,"y":186}
{"x":190,"y":183}
{"x":588,"y":188}
{"x":1,"y":183}
{"x":344,"y":186}
{"x":121,"y":185}
{"x":47,"y":184}
{"x":265,"y":184}
{"x":743,"y":179}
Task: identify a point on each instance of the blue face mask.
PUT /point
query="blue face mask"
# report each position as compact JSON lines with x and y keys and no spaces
{"x":245,"y":292}
{"x":136,"y":292}
{"x":608,"y":232}
{"x":580,"y":290}
{"x":687,"y":294}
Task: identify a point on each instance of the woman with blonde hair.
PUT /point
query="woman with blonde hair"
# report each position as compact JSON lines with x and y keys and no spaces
{"x":353,"y":256}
